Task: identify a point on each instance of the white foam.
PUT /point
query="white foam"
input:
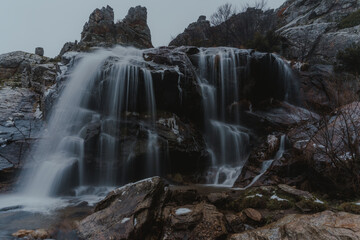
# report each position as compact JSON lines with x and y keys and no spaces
{"x":182,"y":211}
{"x":275,"y":197}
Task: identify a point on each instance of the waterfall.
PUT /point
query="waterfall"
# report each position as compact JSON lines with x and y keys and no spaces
{"x":267,"y":164}
{"x":105,"y":89}
{"x":103,"y":129}
{"x":223,"y":74}
{"x":219,"y":82}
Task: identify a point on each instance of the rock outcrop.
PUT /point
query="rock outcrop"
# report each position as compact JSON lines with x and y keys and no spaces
{"x":39,"y":51}
{"x":26,"y":70}
{"x":325,"y":225}
{"x":235,"y":32}
{"x":13,"y":64}
{"x":102,"y":31}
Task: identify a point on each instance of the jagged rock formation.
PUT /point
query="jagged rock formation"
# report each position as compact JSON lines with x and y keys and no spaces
{"x":235,"y":32}
{"x":101,"y":31}
{"x":310,"y":29}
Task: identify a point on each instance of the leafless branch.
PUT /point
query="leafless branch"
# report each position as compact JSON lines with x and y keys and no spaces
{"x":222,"y":14}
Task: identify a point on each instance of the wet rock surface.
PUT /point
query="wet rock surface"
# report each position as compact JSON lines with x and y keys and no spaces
{"x":19,"y":124}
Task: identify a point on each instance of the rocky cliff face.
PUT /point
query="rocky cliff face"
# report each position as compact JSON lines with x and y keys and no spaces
{"x":311,"y":29}
{"x":24,"y":80}
{"x":102,"y":31}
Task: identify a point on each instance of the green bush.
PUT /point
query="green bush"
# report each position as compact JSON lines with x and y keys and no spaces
{"x":349,"y":59}
{"x":350,"y":21}
{"x":271,"y":42}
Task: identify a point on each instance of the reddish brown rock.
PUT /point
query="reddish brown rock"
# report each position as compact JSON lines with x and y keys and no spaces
{"x":253,"y":214}
{"x":201,"y":221}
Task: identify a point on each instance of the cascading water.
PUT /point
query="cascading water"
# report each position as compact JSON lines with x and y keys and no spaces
{"x":223,"y":73}
{"x":103,"y":132}
{"x":106,"y":88}
{"x":267,"y":164}
{"x":227,"y":142}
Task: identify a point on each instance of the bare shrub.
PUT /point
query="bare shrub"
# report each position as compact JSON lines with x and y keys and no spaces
{"x":222,"y":14}
{"x":336,"y":145}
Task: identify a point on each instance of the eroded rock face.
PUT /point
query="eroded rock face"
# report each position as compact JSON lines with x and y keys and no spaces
{"x":324,"y":225}
{"x":129,"y":212}
{"x":102,"y":31}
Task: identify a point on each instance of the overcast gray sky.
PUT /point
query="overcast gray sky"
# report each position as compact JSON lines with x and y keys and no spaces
{"x":26,"y":24}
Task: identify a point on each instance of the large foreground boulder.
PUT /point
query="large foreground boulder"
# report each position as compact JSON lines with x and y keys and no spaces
{"x":323,"y":226}
{"x":129,"y":212}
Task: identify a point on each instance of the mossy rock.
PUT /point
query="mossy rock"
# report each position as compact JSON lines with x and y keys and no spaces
{"x":351,"y":20}
{"x":350,"y":207}
{"x":349,"y":59}
{"x":256,"y":201}
{"x":274,"y":204}
{"x":311,"y":205}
